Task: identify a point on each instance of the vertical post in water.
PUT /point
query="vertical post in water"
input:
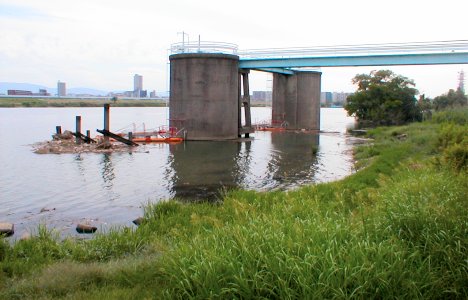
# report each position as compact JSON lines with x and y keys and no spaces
{"x":88,"y":134}
{"x":246,"y":101}
{"x":130,"y":136}
{"x":239,"y":104}
{"x":58,"y":129}
{"x":78,"y":129}
{"x":106,"y":121}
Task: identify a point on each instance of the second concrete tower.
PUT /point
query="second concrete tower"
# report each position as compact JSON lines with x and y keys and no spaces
{"x":296,"y":100}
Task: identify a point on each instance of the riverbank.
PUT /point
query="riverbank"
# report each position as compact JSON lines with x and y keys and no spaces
{"x":395,"y":229}
{"x":7,"y":102}
{"x":77,"y":102}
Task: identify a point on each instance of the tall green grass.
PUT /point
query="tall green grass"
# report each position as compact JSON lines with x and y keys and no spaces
{"x":397,"y":228}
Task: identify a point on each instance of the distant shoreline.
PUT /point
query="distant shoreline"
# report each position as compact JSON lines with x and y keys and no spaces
{"x":31,"y":102}
{"x":15,"y":102}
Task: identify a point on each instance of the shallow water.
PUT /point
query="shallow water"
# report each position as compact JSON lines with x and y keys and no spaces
{"x":109,"y":189}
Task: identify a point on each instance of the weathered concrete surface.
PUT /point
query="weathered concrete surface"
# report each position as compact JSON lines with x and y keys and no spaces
{"x":204,"y":95}
{"x":296,"y":100}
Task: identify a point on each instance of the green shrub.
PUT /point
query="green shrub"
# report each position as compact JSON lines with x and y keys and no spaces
{"x":455,"y":116}
{"x":456,"y":156}
{"x":453,"y":144}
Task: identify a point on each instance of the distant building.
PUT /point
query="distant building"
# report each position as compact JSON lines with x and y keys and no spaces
{"x":153,"y":94}
{"x":19,"y":93}
{"x":61,"y":89}
{"x":137,"y":85}
{"x":340,"y":98}
{"x":129,"y":93}
{"x":42,"y":92}
{"x":261,"y":96}
{"x":334,"y":98}
{"x":326,"y":98}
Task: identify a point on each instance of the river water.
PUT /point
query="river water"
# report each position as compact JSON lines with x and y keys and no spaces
{"x":107,"y":190}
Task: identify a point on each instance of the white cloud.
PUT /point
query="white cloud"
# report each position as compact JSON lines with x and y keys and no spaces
{"x":102,"y":43}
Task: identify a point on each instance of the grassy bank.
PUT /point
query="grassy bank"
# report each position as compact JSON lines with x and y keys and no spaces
{"x":398,"y":228}
{"x":76,"y":102}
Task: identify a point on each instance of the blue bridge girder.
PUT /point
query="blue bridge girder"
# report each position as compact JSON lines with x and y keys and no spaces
{"x":283,"y":64}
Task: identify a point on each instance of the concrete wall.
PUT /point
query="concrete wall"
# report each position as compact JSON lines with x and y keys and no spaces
{"x":204,"y":95}
{"x":296,"y":100}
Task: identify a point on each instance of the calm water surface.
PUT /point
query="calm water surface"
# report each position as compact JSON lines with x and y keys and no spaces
{"x":110,"y":189}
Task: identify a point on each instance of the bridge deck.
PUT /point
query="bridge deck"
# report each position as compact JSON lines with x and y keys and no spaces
{"x":355,"y":60}
{"x":279,"y":60}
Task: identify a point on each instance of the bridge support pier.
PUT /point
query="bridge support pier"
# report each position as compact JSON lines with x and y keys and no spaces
{"x":296,"y":100}
{"x":204,"y":97}
{"x":244,"y":101}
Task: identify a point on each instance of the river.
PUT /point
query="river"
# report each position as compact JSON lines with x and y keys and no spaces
{"x":106,"y":190}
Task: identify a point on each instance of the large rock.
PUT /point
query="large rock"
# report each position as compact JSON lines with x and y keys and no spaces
{"x":25,"y":236}
{"x":138,"y":221}
{"x":83,"y":228}
{"x":7,"y":229}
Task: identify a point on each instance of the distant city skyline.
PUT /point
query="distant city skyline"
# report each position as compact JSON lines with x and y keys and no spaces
{"x":89,"y":44}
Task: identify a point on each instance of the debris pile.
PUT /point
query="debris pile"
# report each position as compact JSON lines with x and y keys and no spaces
{"x":65,"y":143}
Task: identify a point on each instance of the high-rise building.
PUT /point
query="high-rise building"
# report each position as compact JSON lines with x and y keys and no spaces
{"x":137,"y":85}
{"x":61,"y":89}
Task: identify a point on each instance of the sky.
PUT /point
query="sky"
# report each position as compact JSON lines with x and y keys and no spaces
{"x":101,"y":44}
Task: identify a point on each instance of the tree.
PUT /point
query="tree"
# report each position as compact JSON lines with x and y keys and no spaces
{"x":383,"y":98}
{"x":425,"y":106}
{"x":451,"y":100}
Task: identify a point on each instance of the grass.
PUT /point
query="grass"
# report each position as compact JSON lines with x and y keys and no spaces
{"x":7,"y":102}
{"x":398,"y":228}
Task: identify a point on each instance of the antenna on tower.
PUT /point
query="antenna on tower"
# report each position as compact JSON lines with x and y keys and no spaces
{"x":461,"y":81}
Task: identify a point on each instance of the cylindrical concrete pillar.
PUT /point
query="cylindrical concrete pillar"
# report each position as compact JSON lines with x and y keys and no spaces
{"x":296,"y":100}
{"x":204,"y":95}
{"x":278,"y":103}
{"x":308,"y":100}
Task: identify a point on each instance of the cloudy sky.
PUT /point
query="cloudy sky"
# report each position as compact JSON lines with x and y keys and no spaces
{"x":101,"y":43}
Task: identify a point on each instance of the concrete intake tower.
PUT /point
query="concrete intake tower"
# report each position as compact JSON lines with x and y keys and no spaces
{"x":204,"y":95}
{"x":208,"y":91}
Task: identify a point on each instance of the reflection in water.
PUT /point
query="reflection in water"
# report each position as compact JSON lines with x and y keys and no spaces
{"x":243,"y":161}
{"x":107,"y":171}
{"x":79,"y":162}
{"x":293,"y":158}
{"x":203,"y":168}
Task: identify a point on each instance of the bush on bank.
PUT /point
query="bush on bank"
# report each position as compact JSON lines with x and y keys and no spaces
{"x":398,"y":228}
